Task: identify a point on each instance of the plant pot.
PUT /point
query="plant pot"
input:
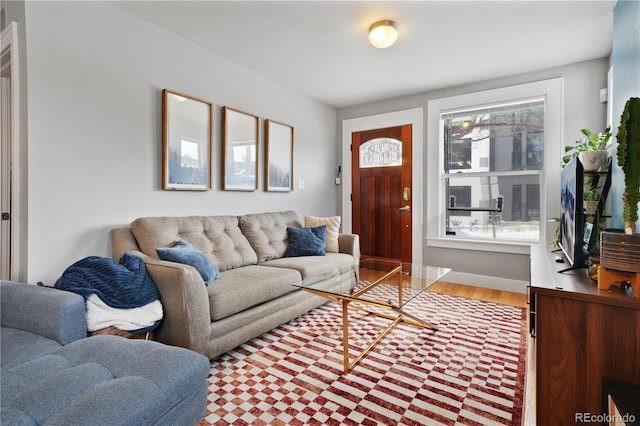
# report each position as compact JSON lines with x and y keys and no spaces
{"x":593,"y":161}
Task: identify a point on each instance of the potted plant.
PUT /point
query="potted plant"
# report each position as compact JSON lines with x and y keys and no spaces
{"x":593,"y":155}
{"x":592,"y":150}
{"x":629,"y":160}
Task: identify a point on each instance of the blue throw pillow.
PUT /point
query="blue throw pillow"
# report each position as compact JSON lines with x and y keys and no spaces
{"x":183,"y":252}
{"x":306,"y":241}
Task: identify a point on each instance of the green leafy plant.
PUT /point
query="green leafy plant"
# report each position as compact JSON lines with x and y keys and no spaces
{"x":592,"y":194}
{"x":593,"y":142}
{"x":629,"y":160}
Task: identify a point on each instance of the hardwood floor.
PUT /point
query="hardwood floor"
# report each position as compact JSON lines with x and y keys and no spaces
{"x":486,"y":294}
{"x":505,"y":298}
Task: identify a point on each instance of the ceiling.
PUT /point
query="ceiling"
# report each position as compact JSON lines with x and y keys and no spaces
{"x":320,"y":48}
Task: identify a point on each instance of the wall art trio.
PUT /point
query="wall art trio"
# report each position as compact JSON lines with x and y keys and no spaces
{"x":187,"y":147}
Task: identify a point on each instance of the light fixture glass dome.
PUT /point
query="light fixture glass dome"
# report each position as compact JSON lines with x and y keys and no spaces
{"x":383,"y":34}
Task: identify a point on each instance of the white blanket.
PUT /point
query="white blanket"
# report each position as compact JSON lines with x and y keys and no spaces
{"x":100,"y":315}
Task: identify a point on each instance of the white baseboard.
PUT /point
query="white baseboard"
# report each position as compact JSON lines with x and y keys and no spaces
{"x":485,"y":281}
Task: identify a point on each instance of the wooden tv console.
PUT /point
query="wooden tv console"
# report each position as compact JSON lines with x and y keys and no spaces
{"x":582,"y":335}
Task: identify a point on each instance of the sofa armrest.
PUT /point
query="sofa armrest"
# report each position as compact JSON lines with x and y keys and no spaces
{"x":122,"y":240}
{"x":350,"y":244}
{"x":56,"y":314}
{"x":185,"y":301}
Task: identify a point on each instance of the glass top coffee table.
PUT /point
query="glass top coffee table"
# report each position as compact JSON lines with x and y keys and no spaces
{"x":382,"y":288}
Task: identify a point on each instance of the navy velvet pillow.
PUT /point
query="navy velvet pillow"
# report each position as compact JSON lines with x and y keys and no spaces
{"x":183,"y":252}
{"x":306,"y":241}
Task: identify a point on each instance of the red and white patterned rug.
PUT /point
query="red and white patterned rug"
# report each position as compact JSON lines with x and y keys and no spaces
{"x":470,"y":372}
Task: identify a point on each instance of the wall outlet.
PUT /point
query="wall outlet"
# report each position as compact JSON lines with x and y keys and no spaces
{"x":602,"y":95}
{"x":338,"y":181}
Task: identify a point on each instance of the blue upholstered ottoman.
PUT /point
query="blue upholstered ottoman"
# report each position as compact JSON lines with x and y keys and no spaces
{"x":107,"y":380}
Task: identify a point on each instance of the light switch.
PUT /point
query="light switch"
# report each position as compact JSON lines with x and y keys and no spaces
{"x":300,"y":184}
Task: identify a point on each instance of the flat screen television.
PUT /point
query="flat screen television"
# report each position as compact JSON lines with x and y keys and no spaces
{"x":572,"y":219}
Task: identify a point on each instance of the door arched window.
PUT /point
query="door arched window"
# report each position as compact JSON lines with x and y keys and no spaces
{"x":381,"y":152}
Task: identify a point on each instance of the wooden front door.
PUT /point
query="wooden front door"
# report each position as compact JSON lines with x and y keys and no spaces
{"x":382,"y":192}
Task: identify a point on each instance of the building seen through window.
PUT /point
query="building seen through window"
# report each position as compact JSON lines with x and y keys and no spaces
{"x":489,"y":152}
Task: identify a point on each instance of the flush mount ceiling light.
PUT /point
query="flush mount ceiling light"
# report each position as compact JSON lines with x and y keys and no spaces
{"x":383,"y":34}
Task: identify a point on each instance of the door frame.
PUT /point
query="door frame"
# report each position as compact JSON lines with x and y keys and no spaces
{"x":415,"y":117}
{"x":9,"y":40}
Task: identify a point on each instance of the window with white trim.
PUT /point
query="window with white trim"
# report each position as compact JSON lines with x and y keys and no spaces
{"x":489,"y":183}
{"x":491,"y":151}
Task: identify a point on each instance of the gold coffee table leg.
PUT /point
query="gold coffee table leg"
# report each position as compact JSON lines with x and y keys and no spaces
{"x":348,"y":366}
{"x":345,"y":335}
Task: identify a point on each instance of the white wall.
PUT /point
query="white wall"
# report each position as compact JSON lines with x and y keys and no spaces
{"x":95,"y":75}
{"x":625,"y":60}
{"x":582,"y":109}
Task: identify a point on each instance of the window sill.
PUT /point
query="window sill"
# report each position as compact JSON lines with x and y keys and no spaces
{"x":497,"y":247}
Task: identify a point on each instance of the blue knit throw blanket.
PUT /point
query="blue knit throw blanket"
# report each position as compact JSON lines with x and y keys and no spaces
{"x":125,"y":285}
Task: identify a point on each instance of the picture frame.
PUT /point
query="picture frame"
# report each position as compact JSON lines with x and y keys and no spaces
{"x":278,"y":157}
{"x":187,"y":136}
{"x":240,"y":143}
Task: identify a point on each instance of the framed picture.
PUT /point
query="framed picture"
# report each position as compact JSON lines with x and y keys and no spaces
{"x":239,"y":150}
{"x":187,"y":130}
{"x":279,"y":157}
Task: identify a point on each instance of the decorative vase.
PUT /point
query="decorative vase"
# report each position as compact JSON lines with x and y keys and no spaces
{"x":593,"y":161}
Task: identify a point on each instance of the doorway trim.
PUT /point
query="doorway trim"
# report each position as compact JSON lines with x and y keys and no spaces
{"x":11,"y":147}
{"x":415,"y":117}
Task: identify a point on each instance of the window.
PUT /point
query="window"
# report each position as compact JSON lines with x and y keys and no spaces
{"x":381,"y":152}
{"x":493,"y":145}
{"x":497,"y":133}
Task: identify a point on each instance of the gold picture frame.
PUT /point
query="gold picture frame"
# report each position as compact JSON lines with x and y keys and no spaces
{"x":278,"y":157}
{"x":240,"y":142}
{"x":187,"y":135}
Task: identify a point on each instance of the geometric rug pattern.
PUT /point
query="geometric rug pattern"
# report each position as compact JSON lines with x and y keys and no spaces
{"x":469,"y":372}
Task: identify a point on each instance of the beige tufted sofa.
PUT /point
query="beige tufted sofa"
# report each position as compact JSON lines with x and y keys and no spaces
{"x":254,"y":293}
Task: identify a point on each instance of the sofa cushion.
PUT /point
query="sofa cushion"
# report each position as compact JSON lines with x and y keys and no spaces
{"x":333,"y":230}
{"x":243,"y":288}
{"x":183,"y":252}
{"x":306,"y":241}
{"x":218,"y":237}
{"x":18,"y":347}
{"x":267,"y":232}
{"x":104,"y":380}
{"x":313,"y":266}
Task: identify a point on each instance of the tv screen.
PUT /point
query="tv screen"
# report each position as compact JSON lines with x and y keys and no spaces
{"x":571,"y":239}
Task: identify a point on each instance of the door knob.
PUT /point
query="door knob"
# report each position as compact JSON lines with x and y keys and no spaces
{"x":405,"y":208}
